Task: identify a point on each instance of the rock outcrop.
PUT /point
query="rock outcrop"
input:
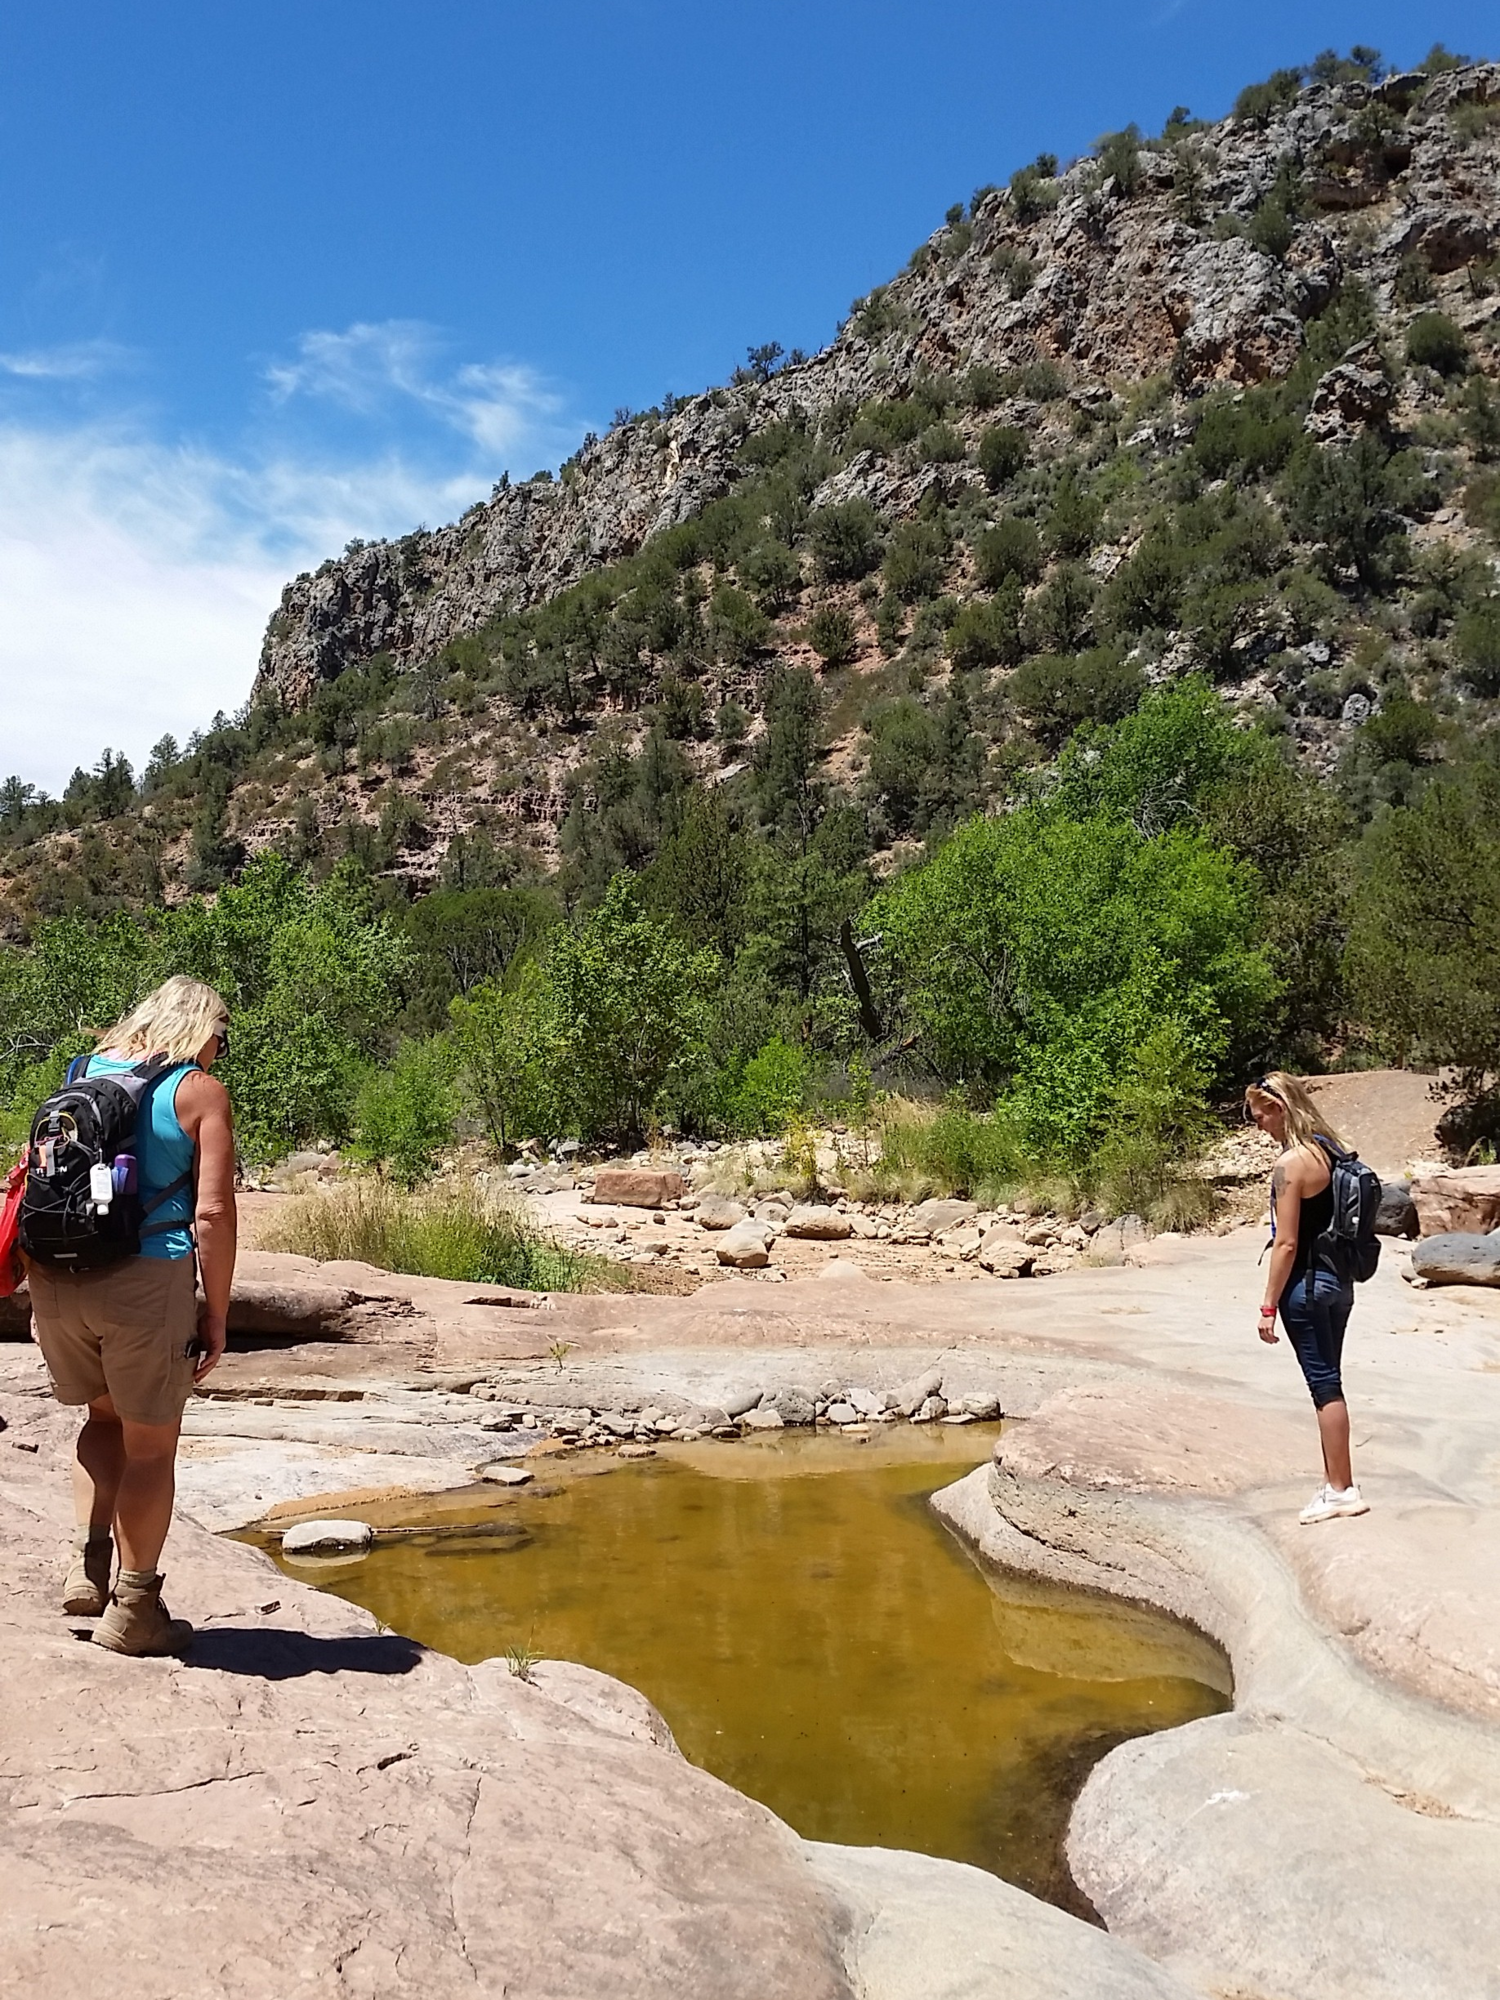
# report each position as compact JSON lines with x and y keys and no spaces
{"x":1465,"y":1201}
{"x":1119,"y":285}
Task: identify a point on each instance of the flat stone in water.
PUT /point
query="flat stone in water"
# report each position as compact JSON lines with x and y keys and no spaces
{"x":327,"y":1538}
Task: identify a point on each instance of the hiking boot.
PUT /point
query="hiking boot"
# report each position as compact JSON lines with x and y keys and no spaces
{"x":137,"y":1622}
{"x":1329,"y":1504}
{"x":86,"y":1586}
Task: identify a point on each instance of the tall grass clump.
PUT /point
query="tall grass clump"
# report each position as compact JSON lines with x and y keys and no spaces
{"x":948,"y":1150}
{"x":440,"y":1233}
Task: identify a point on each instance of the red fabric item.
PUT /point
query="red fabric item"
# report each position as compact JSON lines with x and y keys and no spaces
{"x":12,"y":1272}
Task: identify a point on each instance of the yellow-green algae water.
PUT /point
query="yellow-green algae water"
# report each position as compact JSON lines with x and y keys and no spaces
{"x":809,"y":1629}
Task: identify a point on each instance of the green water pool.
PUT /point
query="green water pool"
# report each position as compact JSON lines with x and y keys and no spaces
{"x":809,"y":1629}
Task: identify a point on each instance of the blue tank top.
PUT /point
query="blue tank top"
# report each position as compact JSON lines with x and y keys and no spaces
{"x":162,"y":1151}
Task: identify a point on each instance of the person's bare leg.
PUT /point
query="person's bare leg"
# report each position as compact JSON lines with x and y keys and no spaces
{"x":1333,"y":1428}
{"x":148,"y":1487}
{"x":97,"y":1466}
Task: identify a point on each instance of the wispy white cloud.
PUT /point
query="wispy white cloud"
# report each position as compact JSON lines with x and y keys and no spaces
{"x":497,"y":405}
{"x":138,"y":574}
{"x":74,"y":361}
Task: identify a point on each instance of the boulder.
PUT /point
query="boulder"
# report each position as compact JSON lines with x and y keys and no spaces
{"x":1457,"y":1258}
{"x":1356,"y":395}
{"x":937,"y":1215}
{"x":327,"y":1538}
{"x":1397,"y":1214}
{"x":638,"y":1187}
{"x":930,"y":1409}
{"x":843,"y":1413}
{"x":764,"y":1417}
{"x":794,"y":1405}
{"x":1005,"y":1253}
{"x":1462,"y":1201}
{"x":820,"y":1224}
{"x":717,"y":1211}
{"x":746,"y":1247}
{"x":911,"y":1397}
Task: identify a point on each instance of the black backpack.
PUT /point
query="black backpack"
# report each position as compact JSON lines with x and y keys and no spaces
{"x":82,"y":1143}
{"x":1349,"y":1245}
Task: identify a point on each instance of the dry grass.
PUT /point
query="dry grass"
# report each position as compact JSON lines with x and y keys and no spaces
{"x":442,"y":1233}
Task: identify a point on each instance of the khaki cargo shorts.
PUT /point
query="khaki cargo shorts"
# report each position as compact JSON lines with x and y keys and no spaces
{"x":123,"y":1332}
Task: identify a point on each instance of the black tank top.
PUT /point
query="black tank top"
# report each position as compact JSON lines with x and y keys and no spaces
{"x":1316,"y":1213}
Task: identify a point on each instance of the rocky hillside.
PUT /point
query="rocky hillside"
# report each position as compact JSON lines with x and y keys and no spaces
{"x":1221,"y":400}
{"x":1115,"y":278}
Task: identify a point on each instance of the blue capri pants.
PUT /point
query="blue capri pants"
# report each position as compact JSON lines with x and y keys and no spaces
{"x":1315,"y":1310}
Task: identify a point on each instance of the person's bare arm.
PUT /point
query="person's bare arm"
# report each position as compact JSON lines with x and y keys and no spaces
{"x":203,"y":1112}
{"x":1288,"y":1185}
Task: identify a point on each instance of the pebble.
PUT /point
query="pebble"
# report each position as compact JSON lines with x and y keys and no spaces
{"x":637,"y":1451}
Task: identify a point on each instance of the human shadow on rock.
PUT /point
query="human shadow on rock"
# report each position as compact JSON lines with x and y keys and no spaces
{"x":271,"y":1653}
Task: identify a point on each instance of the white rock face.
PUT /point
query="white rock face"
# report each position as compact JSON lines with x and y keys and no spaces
{"x":327,"y":1538}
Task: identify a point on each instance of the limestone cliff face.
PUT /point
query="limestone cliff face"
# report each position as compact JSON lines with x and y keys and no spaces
{"x":1122,"y":284}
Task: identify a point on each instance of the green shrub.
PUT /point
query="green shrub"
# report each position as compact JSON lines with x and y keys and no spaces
{"x":629,"y":1004}
{"x":832,"y":634}
{"x":1003,"y":451}
{"x":1036,"y":947}
{"x":1157,"y":1123}
{"x":846,"y":539}
{"x":1423,"y":959}
{"x":1015,"y":270}
{"x":1012,"y":548}
{"x":916,"y":558}
{"x":1059,"y":617}
{"x":1034,"y":189}
{"x":949,"y":1151}
{"x":983,"y":386}
{"x":406,"y":1113}
{"x":1435,"y":341}
{"x":1249,"y":436}
{"x":506,"y":1045}
{"x":1270,"y":229}
{"x":738,"y":628}
{"x":1119,"y":155}
{"x":1145,"y":592}
{"x":942,"y":445}
{"x":1477,"y":643}
{"x":1058,"y":693}
{"x":1258,"y":103}
{"x":1073,"y":518}
{"x":774,"y":574}
{"x":987,"y":634}
{"x":771,"y":1091}
{"x":1481,"y":418}
{"x":455,"y":1233}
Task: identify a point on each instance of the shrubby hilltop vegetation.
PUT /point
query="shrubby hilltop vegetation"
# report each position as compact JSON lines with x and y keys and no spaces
{"x":1073,"y":689}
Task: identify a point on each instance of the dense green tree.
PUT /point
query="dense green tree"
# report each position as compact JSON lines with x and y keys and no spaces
{"x":630,"y":1003}
{"x":1424,"y":932}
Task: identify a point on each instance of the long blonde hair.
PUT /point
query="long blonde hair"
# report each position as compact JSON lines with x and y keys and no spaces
{"x":176,"y":1020}
{"x":1305,"y":1123}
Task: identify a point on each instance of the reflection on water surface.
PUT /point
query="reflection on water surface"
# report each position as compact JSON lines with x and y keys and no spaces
{"x":810,"y":1631}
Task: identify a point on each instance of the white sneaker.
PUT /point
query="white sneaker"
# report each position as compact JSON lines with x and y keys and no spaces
{"x":1328,"y":1503}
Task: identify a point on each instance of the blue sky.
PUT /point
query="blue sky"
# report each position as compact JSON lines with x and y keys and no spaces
{"x":275,"y":275}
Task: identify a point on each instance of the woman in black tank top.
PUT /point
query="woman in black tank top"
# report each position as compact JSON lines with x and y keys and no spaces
{"x":1312,"y":1298}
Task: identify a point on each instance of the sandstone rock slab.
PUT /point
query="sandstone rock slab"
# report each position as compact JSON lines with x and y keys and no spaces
{"x":1462,"y":1201}
{"x":919,"y":1929}
{"x":638,"y":1187}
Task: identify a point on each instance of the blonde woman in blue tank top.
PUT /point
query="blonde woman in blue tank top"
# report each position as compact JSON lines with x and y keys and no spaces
{"x":129,"y":1341}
